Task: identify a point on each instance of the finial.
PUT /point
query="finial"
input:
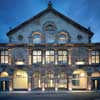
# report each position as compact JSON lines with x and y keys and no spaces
{"x":50,"y":4}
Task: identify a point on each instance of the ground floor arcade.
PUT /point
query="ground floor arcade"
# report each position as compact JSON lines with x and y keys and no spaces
{"x":21,"y":80}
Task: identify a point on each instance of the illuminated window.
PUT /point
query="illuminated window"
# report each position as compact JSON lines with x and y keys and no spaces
{"x":50,"y":75}
{"x":95,"y":57}
{"x":4,"y":56}
{"x":4,"y":74}
{"x":62,"y":57}
{"x":79,"y":79}
{"x":37,"y":55}
{"x":20,"y":80}
{"x":62,"y":75}
{"x":49,"y":56}
{"x":76,"y":82}
{"x":36,"y":38}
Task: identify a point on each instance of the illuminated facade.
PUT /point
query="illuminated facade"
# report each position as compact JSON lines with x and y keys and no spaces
{"x":49,"y":52}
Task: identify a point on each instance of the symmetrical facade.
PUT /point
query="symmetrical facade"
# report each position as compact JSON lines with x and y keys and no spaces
{"x":49,"y":52}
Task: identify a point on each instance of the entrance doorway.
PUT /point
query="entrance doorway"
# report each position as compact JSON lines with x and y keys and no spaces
{"x":95,"y":81}
{"x":96,"y":84}
{"x":4,"y":81}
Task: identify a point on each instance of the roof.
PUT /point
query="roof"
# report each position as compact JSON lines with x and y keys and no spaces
{"x":50,"y":8}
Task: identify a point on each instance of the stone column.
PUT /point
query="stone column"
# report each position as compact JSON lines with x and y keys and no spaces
{"x":11,"y":83}
{"x":69,"y":56}
{"x":70,"y":83}
{"x":43,"y":56}
{"x":29,"y":83}
{"x":89,"y":83}
{"x":56,"y":56}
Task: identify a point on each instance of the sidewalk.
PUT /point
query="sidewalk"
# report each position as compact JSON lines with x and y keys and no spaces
{"x":47,"y":91}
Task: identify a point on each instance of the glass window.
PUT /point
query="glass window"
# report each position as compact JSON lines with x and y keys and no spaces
{"x":62,"y":38}
{"x":36,"y":38}
{"x":4,"y":56}
{"x":76,"y":82}
{"x":37,"y":56}
{"x":49,"y":56}
{"x":95,"y":57}
{"x":62,"y":57}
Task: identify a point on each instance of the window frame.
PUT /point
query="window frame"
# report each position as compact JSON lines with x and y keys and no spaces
{"x":62,"y":62}
{"x":4,"y":55}
{"x":37,"y":55}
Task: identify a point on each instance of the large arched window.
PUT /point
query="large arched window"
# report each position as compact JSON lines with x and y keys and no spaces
{"x":4,"y":74}
{"x":79,"y":80}
{"x":36,"y":38}
{"x":20,"y":80}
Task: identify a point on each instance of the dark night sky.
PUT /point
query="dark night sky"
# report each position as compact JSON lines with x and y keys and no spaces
{"x":14,"y":12}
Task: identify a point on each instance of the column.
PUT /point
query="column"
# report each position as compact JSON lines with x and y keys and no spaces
{"x":11,"y":83}
{"x":89,"y":83}
{"x":69,"y":56}
{"x":70,"y":83}
{"x":29,"y":83}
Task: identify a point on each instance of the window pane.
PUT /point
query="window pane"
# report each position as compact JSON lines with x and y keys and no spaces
{"x":2,"y":52}
{"x":34,"y":52}
{"x":93,"y":59}
{"x":60,"y":53}
{"x":34,"y":59}
{"x":64,"y":52}
{"x":51,"y":52}
{"x":39,"y":52}
{"x":76,"y":82}
{"x":2,"y":59}
{"x":39,"y":58}
{"x":6,"y":52}
{"x":97,"y":59}
{"x":6,"y":59}
{"x":47,"y":53}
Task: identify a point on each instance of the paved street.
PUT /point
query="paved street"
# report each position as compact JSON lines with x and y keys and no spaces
{"x":51,"y":96}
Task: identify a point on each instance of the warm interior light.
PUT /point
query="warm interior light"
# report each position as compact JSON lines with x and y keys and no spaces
{"x":19,"y":63}
{"x":80,"y":63}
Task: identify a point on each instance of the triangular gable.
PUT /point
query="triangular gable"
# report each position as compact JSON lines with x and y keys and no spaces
{"x":50,"y":8}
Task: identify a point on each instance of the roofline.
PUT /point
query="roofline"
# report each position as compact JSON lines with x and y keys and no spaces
{"x":50,"y":8}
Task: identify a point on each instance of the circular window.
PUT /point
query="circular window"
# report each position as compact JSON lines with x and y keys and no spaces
{"x":20,"y":37}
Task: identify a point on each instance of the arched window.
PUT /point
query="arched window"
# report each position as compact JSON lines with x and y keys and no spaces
{"x":36,"y":38}
{"x":4,"y":74}
{"x":79,"y":79}
{"x":20,"y":80}
{"x":49,"y":26}
{"x":63,"y":37}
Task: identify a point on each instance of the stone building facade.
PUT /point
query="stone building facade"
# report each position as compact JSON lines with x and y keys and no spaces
{"x":49,"y":52}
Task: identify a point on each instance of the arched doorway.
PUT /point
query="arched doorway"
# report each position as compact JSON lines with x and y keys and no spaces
{"x":62,"y":80}
{"x":36,"y":80}
{"x":95,"y":77}
{"x":4,"y":81}
{"x":79,"y":80}
{"x":20,"y":80}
